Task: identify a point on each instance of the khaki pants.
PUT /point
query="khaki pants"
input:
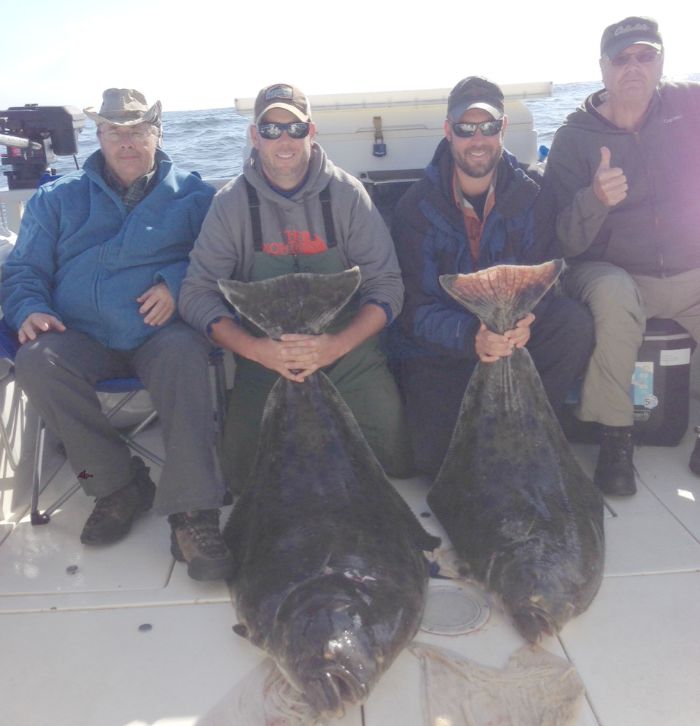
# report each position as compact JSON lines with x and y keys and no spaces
{"x":620,"y":304}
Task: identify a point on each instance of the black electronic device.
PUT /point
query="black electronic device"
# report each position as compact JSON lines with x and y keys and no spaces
{"x":34,"y":135}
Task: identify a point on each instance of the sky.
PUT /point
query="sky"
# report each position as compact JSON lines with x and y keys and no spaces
{"x":199,"y":54}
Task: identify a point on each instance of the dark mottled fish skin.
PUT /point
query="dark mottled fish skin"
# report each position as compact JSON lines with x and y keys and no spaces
{"x":518,"y":508}
{"x":330,"y":575}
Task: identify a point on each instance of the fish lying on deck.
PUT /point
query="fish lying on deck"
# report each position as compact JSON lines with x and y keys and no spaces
{"x":330,"y":575}
{"x":518,"y":508}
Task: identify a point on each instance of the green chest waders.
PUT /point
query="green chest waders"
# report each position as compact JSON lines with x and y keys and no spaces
{"x":361,"y":377}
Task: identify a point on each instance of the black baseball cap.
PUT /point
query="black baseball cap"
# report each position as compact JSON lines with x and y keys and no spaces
{"x":475,"y":92}
{"x":618,"y":36}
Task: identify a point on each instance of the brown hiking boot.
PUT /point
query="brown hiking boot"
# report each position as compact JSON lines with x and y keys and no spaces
{"x":196,"y":539}
{"x":113,"y":515}
{"x":614,"y":472}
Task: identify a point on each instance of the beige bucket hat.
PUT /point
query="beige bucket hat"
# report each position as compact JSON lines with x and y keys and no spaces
{"x":124,"y":107}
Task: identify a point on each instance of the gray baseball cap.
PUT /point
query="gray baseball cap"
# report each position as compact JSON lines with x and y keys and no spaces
{"x":282,"y":95}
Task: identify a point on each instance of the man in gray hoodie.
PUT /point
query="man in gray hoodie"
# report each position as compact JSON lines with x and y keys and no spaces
{"x":622,"y":178}
{"x":293,"y":210}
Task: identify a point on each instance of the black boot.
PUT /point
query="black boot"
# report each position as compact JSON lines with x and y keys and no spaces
{"x":694,"y":462}
{"x":113,"y":515}
{"x":614,"y":472}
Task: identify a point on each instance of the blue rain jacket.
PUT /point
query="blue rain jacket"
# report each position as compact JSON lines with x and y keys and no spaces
{"x":82,"y":257}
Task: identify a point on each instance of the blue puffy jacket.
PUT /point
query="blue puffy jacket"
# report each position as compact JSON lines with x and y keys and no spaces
{"x":82,"y":257}
{"x":430,"y":237}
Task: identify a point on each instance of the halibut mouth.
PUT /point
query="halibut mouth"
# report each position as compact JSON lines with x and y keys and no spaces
{"x":329,"y":692}
{"x":533,"y":622}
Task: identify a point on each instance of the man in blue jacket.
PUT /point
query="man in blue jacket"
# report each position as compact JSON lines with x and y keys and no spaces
{"x":91,"y":288}
{"x":472,"y":210}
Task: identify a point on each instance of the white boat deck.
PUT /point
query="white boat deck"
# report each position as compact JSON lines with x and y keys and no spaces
{"x":120,"y":636}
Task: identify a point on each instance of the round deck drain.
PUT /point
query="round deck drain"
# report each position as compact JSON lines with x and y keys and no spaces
{"x":454,"y":608}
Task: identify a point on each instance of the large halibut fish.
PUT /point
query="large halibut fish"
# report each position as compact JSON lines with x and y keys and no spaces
{"x":330,"y":575}
{"x":517,"y":506}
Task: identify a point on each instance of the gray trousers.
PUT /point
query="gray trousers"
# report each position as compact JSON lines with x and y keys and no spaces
{"x":58,"y":372}
{"x":620,"y":304}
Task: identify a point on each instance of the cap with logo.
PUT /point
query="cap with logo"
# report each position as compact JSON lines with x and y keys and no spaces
{"x":618,"y":36}
{"x":475,"y":92}
{"x":284,"y":96}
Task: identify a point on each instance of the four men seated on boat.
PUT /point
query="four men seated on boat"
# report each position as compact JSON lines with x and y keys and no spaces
{"x":91,"y":288}
{"x":621,"y":184}
{"x":473,"y":209}
{"x":92,"y":284}
{"x":293,"y":210}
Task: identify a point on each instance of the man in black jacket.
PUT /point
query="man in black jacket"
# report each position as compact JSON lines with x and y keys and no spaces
{"x":472,"y":210}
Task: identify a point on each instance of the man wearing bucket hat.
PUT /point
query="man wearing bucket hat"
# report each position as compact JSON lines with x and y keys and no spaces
{"x":91,"y":288}
{"x":473,"y":209}
{"x":293,"y":210}
{"x":621,"y":183}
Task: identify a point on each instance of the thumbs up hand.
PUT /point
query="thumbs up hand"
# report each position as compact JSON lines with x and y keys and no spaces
{"x":609,"y":183}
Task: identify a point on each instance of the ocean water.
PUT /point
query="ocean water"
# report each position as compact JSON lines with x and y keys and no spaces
{"x":212,"y":141}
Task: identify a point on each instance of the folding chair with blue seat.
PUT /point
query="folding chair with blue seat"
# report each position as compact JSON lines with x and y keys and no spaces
{"x":126,"y":388}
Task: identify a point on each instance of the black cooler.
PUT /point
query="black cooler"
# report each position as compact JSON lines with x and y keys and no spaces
{"x":660,"y":388}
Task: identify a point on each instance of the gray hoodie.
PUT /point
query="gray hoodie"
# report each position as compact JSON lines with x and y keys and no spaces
{"x":655,"y":230}
{"x":224,"y":248}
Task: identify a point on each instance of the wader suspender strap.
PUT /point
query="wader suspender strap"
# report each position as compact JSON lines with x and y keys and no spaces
{"x":254,"y":206}
{"x":325,"y":197}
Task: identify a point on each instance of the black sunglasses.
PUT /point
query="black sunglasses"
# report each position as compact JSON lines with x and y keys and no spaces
{"x":487,"y":128}
{"x":273,"y":130}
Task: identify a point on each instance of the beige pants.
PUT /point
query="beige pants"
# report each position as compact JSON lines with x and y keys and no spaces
{"x":620,"y":304}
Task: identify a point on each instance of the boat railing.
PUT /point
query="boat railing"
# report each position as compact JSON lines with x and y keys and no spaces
{"x":12,"y":204}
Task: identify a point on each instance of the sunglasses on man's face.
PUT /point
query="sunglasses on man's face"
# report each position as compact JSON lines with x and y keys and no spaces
{"x":644,"y":56}
{"x":273,"y":130}
{"x":487,"y":128}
